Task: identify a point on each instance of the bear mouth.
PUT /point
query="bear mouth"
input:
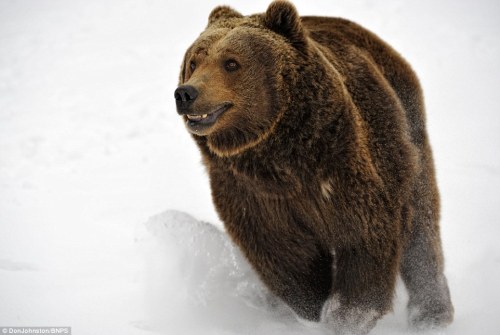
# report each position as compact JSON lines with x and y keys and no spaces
{"x":197,"y":123}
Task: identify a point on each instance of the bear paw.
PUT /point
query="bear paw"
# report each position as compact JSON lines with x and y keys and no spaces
{"x":349,"y":320}
{"x":431,"y":316}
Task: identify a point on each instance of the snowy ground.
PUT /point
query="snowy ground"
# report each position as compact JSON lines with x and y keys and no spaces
{"x":91,"y":148}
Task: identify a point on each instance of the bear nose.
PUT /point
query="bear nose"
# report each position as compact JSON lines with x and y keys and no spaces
{"x":185,"y":95}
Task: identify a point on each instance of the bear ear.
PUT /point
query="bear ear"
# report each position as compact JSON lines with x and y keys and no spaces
{"x":282,"y":18}
{"x":222,"y":12}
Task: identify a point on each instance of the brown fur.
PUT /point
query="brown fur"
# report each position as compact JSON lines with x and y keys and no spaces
{"x":320,"y":168}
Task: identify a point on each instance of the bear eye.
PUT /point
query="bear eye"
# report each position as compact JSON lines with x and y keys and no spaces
{"x":192,"y":66}
{"x":231,"y":65}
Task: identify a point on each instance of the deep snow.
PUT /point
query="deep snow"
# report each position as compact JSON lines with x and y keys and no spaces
{"x":91,"y":150}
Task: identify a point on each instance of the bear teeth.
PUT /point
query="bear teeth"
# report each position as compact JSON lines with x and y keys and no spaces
{"x":197,"y":117}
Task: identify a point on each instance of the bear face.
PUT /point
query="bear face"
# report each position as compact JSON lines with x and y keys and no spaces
{"x":231,"y":85}
{"x":233,"y":104}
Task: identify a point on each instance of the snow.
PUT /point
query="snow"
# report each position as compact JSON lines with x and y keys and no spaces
{"x":91,"y":150}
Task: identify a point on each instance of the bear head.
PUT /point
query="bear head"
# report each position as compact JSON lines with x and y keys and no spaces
{"x":234,"y":77}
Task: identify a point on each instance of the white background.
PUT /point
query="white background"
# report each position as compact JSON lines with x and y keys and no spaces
{"x":91,"y":147}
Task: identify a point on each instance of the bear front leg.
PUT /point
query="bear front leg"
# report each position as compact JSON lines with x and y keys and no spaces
{"x":362,"y":292}
{"x":430,"y":304}
{"x":302,"y":281}
{"x":422,"y":262}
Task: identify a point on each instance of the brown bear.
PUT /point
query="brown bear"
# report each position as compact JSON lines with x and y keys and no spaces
{"x":312,"y":130}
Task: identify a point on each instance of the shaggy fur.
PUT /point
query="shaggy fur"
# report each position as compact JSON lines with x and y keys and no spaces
{"x":319,"y":163}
